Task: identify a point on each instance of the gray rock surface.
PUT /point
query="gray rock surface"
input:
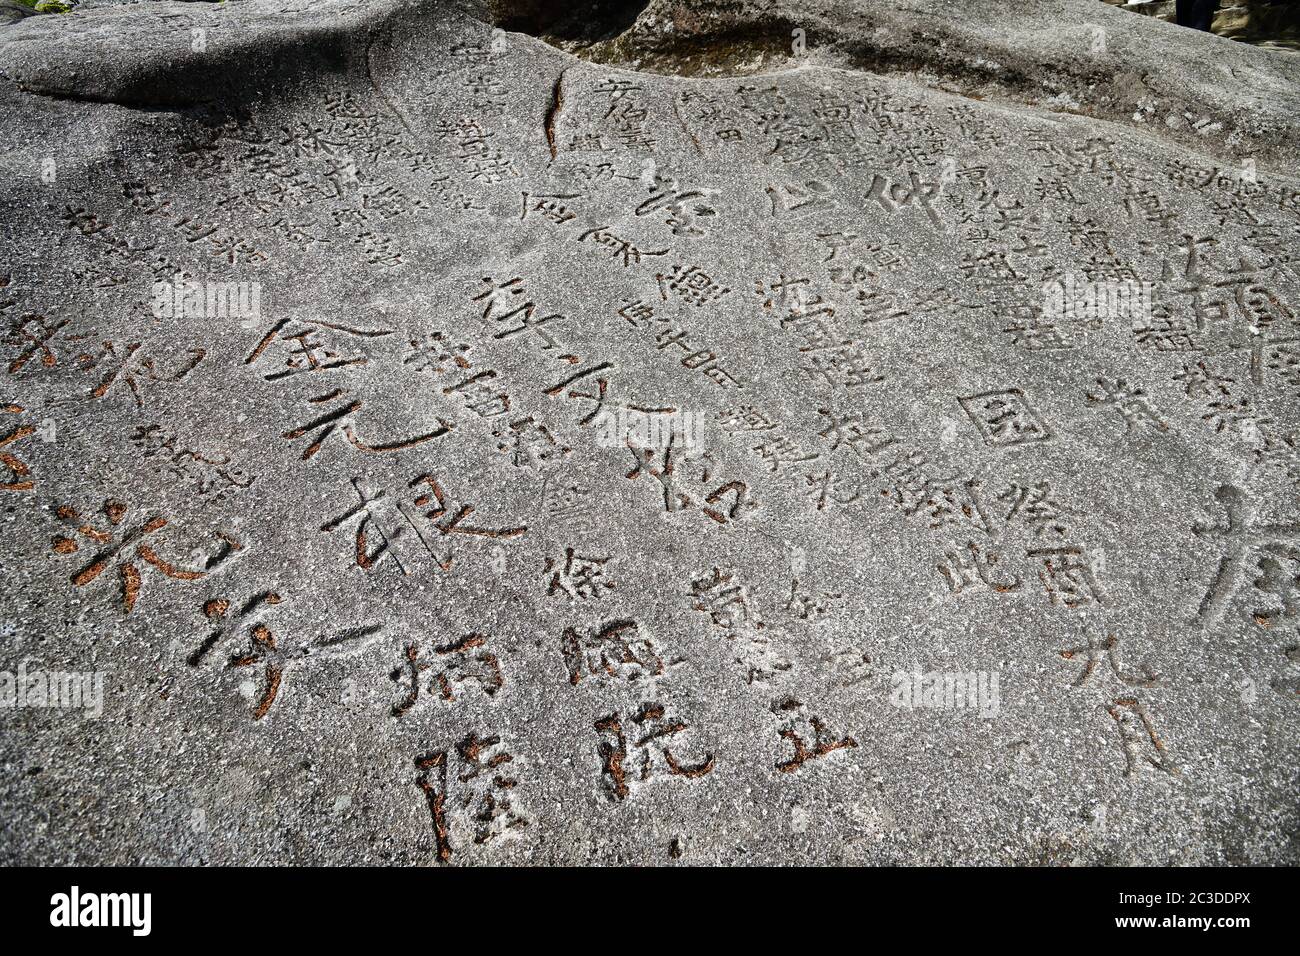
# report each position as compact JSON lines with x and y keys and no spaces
{"x":12,"y":11}
{"x":714,"y":432}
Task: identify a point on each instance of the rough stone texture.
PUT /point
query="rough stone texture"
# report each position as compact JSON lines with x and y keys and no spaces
{"x":11,"y":11}
{"x":373,"y":577}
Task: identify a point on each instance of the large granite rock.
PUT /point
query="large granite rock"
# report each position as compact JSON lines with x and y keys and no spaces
{"x":723,"y":432}
{"x":11,"y":11}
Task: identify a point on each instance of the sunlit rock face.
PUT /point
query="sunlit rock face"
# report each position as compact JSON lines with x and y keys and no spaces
{"x":520,"y":432}
{"x":1272,"y":23}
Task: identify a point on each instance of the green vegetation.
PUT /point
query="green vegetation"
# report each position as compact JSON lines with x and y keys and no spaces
{"x":48,"y":6}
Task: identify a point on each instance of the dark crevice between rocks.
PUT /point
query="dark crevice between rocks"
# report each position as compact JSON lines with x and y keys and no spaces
{"x":606,"y":32}
{"x":718,"y":39}
{"x":553,"y":113}
{"x":718,"y":43}
{"x":569,"y":22}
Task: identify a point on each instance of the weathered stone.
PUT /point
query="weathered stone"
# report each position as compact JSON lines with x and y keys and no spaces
{"x":678,"y":431}
{"x":12,"y":10}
